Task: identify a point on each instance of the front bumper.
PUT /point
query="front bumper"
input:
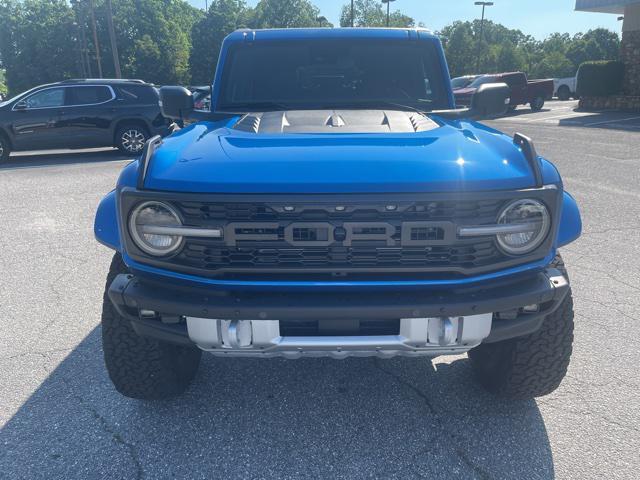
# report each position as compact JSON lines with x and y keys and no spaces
{"x":185,"y":315}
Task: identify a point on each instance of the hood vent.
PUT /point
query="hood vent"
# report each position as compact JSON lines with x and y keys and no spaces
{"x":335,"y":121}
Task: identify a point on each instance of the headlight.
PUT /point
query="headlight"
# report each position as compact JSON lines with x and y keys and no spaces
{"x":531,"y":222}
{"x":149,"y":225}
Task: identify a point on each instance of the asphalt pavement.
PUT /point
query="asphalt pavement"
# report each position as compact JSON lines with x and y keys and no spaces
{"x":309,"y":418}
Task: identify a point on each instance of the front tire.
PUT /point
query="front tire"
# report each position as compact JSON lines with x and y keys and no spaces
{"x":530,"y":366}
{"x":564,"y":93}
{"x":130,"y":138}
{"x":4,"y":149}
{"x":537,"y":103}
{"x":141,"y":367}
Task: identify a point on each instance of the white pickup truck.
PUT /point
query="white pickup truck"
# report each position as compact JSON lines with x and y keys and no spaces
{"x":565,"y":88}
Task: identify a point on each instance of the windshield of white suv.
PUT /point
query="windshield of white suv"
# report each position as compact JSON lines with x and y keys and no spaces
{"x":328,"y":73}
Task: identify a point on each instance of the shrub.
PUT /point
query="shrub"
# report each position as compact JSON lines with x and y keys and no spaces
{"x":600,"y":79}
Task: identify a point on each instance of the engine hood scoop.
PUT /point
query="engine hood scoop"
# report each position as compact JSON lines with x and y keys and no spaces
{"x":268,"y":157}
{"x":335,"y":121}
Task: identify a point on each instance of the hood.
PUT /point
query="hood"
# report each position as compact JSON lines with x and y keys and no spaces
{"x":338,"y":152}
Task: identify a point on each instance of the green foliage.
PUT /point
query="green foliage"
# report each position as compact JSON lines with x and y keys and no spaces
{"x":602,"y":78}
{"x":3,"y":84}
{"x":153,"y":37}
{"x":36,"y":42}
{"x":371,"y":13}
{"x":222,"y":18}
{"x":503,"y":50}
{"x":284,"y":14}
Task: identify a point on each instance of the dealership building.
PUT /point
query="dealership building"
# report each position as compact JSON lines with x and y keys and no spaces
{"x":630,"y":52}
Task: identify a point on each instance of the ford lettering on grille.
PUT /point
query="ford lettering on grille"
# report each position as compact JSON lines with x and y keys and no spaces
{"x":322,"y":234}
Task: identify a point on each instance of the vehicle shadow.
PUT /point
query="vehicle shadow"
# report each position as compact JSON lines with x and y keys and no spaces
{"x":68,"y":157}
{"x":609,"y":120}
{"x":312,"y":418}
{"x":519,"y":112}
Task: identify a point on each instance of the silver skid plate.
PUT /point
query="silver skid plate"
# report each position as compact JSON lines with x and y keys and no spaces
{"x":429,"y":337}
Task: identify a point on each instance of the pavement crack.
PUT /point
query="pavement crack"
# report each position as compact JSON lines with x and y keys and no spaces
{"x":452,"y":439}
{"x":411,"y":387}
{"x":608,"y":275}
{"x":44,"y":354}
{"x":117,"y":438}
{"x":113,"y":433}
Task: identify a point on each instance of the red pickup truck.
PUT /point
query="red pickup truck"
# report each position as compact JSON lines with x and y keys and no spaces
{"x":523,"y":90}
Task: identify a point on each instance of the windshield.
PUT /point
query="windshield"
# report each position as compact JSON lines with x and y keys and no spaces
{"x":482,"y":80}
{"x":460,"y":82}
{"x":12,"y":99}
{"x":328,"y":73}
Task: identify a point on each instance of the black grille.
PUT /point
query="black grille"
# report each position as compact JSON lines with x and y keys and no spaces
{"x":254,"y":212}
{"x":273,"y":253}
{"x":205,"y":255}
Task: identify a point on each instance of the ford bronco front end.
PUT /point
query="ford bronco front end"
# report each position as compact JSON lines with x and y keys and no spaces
{"x":334,"y":203}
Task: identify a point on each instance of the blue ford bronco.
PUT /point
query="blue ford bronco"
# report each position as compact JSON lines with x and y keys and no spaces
{"x":334,"y":202}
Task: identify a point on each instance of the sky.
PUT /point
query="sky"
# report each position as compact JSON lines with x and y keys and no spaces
{"x":534,"y":17}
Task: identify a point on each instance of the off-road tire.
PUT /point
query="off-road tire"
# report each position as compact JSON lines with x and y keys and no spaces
{"x":141,"y":367}
{"x":130,"y":138}
{"x":530,"y":366}
{"x":4,"y":149}
{"x":537,"y":103}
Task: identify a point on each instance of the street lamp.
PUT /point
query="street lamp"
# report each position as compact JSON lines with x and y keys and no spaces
{"x":352,"y":13}
{"x":388,"y":2}
{"x":484,"y":5}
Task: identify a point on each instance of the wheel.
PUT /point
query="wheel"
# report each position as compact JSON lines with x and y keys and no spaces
{"x":131,"y":138}
{"x":564,"y":93}
{"x":530,"y":366}
{"x":4,"y":149}
{"x":141,"y":367}
{"x":537,"y":103}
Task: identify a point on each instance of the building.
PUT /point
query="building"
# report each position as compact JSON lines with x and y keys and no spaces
{"x":630,"y":52}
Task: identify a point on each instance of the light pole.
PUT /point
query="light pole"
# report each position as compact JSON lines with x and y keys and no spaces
{"x":352,"y":13}
{"x":484,"y":5}
{"x":388,"y":2}
{"x":112,"y":39}
{"x":96,"y":44}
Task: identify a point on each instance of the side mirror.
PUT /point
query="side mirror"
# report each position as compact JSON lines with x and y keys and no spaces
{"x":490,"y":100}
{"x":21,"y":105}
{"x":176,"y":102}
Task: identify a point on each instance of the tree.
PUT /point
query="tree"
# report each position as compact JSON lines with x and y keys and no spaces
{"x":458,"y":43}
{"x":284,"y":14}
{"x":3,"y":85}
{"x":36,"y":42}
{"x":222,"y":18}
{"x":554,"y":64}
{"x":153,"y":37}
{"x":369,"y":13}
